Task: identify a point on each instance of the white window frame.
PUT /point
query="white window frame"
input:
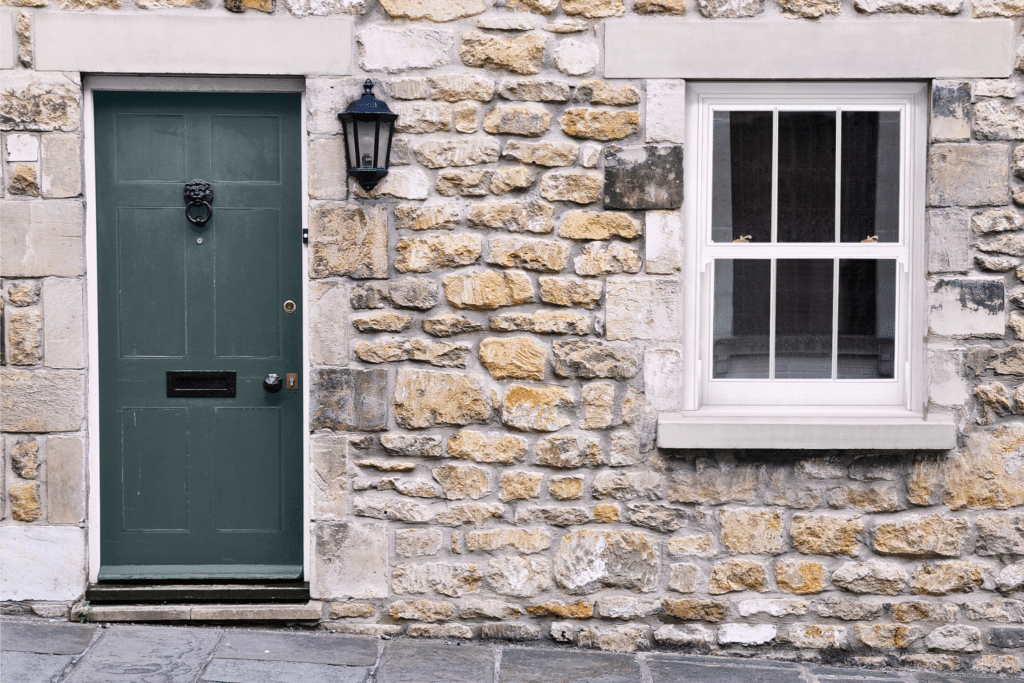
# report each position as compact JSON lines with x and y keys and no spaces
{"x":900,"y":397}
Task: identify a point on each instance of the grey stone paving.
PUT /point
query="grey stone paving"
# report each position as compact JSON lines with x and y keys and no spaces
{"x":41,"y":651}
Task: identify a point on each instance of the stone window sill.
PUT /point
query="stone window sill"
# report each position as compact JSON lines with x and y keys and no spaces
{"x":902,"y":431}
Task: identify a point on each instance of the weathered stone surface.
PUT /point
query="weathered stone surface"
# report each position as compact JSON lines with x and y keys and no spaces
{"x":683,"y":634}
{"x":601,"y":92}
{"x":918,"y":610}
{"x":998,"y":8}
{"x":642,"y":178}
{"x":542,"y":153}
{"x":995,"y":120}
{"x":25,"y":502}
{"x":409,"y":444}
{"x":689,"y":609}
{"x":384,"y":48}
{"x":627,"y":638}
{"x":425,"y":398}
{"x":506,"y":23}
{"x":590,"y":358}
{"x":625,"y":451}
{"x":433,"y":252}
{"x":348,"y":399}
{"x":409,"y":88}
{"x":607,"y":513}
{"x":626,"y":607}
{"x":513,"y":357}
{"x":519,"y":485}
{"x":386,"y":465}
{"x":555,"y":516}
{"x":752,"y":531}
{"x":40,"y":101}
{"x":948,"y":240}
{"x":351,"y":610}
{"x":394,"y":349}
{"x":542,"y":322}
{"x":593,"y":225}
{"x":469,"y":513}
{"x":598,"y":404}
{"x":587,"y":560}
{"x":826,"y":535}
{"x":423,"y":117}
{"x":24,"y":336}
{"x":809,"y":9}
{"x":521,"y":54}
{"x":504,"y":448}
{"x":873,"y":576}
{"x":422,"y":610}
{"x":536,"y":90}
{"x":538,"y":6}
{"x":351,"y":561}
{"x":600,"y":124}
{"x":909,"y":6}
{"x":995,"y":264}
{"x":417,"y":542}
{"x":684,"y":577}
{"x":1006,"y":664}
{"x":730,"y":9}
{"x":958,"y":638}
{"x":464,"y":152}
{"x":627,"y":485}
{"x":462,"y":481}
{"x":581,"y":187}
{"x":512,"y":216}
{"x":447,"y":578}
{"x":41,"y":400}
{"x":528,"y":542}
{"x":24,"y":455}
{"x":801,"y":577}
{"x":562,"y":291}
{"x":967,"y":175}
{"x":818,"y":636}
{"x":575,"y":57}
{"x":569,"y":451}
{"x":972,"y":307}
{"x":737,"y":575}
{"x":556,"y":608}
{"x":530,"y":408}
{"x":41,"y":238}
{"x":1000,"y":535}
{"x":607,"y":258}
{"x":877,"y":497}
{"x":367,"y":295}
{"x":511,"y":631}
{"x":932,"y":536}
{"x":22,"y":294}
{"x":529,"y":120}
{"x":773,"y":608}
{"x":565,"y":488}
{"x":999,"y":609}
{"x":996,"y":220}
{"x":23,"y":180}
{"x":382,"y":322}
{"x":948,"y":577}
{"x":547,"y":256}
{"x":488,"y":289}
{"x":698,"y":545}
{"x":513,"y":179}
{"x":1006,"y":636}
{"x":1011,"y":578}
{"x":995,"y":87}
{"x":713,"y":482}
{"x":467,"y":117}
{"x":348,"y":240}
{"x":887,"y":636}
{"x":418,"y":293}
{"x":391,"y":509}
{"x":520,"y":577}
{"x":489,"y":609}
{"x":433,"y":10}
{"x":987,"y":472}
{"x":450,"y":324}
{"x":328,"y":455}
{"x":594,"y":9}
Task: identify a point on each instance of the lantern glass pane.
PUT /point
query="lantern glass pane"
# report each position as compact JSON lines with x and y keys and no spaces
{"x":382,"y":144}
{"x":350,"y":142}
{"x":365,"y":131}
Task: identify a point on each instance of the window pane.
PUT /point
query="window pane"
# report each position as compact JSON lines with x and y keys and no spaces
{"x":807,"y":172}
{"x":741,"y":189}
{"x":867,"y":318}
{"x":870,"y":176}
{"x":742,"y":315}
{"x":803,"y":319}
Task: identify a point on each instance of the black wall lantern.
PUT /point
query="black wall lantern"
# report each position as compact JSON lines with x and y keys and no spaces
{"x":368,"y":125}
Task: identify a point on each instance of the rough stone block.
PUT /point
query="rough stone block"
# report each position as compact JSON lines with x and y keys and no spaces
{"x":640,"y":178}
{"x":995,"y":120}
{"x":24,"y":336}
{"x":41,"y":401}
{"x":42,"y":563}
{"x":948,"y":577}
{"x":348,"y":240}
{"x":465,"y":152}
{"x":627,"y":485}
{"x":547,"y":154}
{"x":41,"y":238}
{"x":548,"y":256}
{"x":973,"y":307}
{"x":504,"y":449}
{"x":64,"y":333}
{"x":513,"y":357}
{"x":587,"y":358}
{"x":433,"y":10}
{"x":487,"y":289}
{"x":531,"y":408}
{"x":328,"y":324}
{"x":400,"y":183}
{"x":967,"y":175}
{"x":800,"y":577}
{"x":62,"y":166}
{"x":644,"y":309}
{"x":931,"y":536}
{"x":527,"y":542}
{"x":587,"y":560}
{"x":569,"y":451}
{"x":738,"y":575}
{"x":872,"y":576}
{"x":424,"y":398}
{"x":423,"y":117}
{"x":817,"y":636}
{"x":65,"y":480}
{"x":328,"y":178}
{"x":580,"y":187}
{"x":40,"y":101}
{"x":599,"y":124}
{"x":347,"y":399}
{"x":575,"y":57}
{"x":949,"y":238}
{"x":561,"y":291}
{"x":542,"y":322}
{"x":434,"y":252}
{"x":534,"y":90}
{"x":329,"y":478}
{"x":350,"y":561}
{"x":691,"y":609}
{"x":663,"y":377}
{"x":607,"y":258}
{"x":985,"y":474}
{"x":743,"y":634}
{"x":664,"y":242}
{"x":447,"y":578}
{"x":1000,"y":534}
{"x":951,"y":111}
{"x":826,"y":535}
{"x":384,"y":48}
{"x":520,"y":54}
{"x":594,"y":225}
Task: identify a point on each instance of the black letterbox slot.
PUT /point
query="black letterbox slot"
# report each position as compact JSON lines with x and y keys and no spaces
{"x":200,"y":384}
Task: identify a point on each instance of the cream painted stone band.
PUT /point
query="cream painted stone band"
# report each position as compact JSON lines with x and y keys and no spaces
{"x":188,"y":45}
{"x":891,"y":49}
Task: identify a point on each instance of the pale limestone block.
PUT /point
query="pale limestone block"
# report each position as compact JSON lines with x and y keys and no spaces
{"x":328,"y":324}
{"x":325,"y":98}
{"x":590,"y":154}
{"x":417,"y":542}
{"x":409,"y":89}
{"x":348,"y":240}
{"x":997,"y":8}
{"x":323,"y":8}
{"x":41,"y":238}
{"x":946,"y":383}
{"x":328,"y":177}
{"x":401,"y":183}
{"x":40,"y":101}
{"x":949,"y":237}
{"x":22,"y":147}
{"x":42,"y":563}
{"x":41,"y":401}
{"x":951,"y":107}
{"x":505,"y":23}
{"x":63,"y":328}
{"x":576,"y":58}
{"x":666,"y":110}
{"x":909,"y":6}
{"x":433,"y":10}
{"x":383,"y":48}
{"x":350,"y":561}
{"x":328,"y":476}
{"x":663,"y":379}
{"x":744,"y":634}
{"x":24,"y":333}
{"x":519,"y":54}
{"x":62,"y":166}
{"x":644,"y":309}
{"x":664,"y":242}
{"x":995,"y":87}
{"x":967,"y":175}
{"x":65,"y":479}
{"x":972,"y":307}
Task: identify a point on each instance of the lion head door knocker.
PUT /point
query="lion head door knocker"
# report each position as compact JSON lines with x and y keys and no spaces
{"x":199,"y":196}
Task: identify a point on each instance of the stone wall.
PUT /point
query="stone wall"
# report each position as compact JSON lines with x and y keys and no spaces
{"x":494,"y":329}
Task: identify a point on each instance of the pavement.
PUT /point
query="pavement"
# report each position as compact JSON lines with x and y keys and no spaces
{"x":48,"y":651}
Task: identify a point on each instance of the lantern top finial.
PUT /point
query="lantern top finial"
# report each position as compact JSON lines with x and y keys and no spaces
{"x":367,"y":87}
{"x":369,"y":104}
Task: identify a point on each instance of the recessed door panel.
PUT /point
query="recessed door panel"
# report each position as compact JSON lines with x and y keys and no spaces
{"x":162,"y":138}
{"x":154,"y":475}
{"x":245,"y":148}
{"x":248,"y":478}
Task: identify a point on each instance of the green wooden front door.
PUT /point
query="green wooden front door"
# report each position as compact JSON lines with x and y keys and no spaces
{"x":199,"y":486}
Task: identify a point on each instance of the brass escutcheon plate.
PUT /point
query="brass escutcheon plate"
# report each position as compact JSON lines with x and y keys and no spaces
{"x":289,"y":306}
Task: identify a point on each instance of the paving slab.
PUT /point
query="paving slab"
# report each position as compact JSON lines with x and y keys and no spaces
{"x":686,"y":670}
{"x":322,"y":648}
{"x":45,"y":637}
{"x":252,"y":671}
{"x":567,"y":666}
{"x":29,"y":667}
{"x":435,"y":661}
{"x":832,"y":674}
{"x":146,"y":654}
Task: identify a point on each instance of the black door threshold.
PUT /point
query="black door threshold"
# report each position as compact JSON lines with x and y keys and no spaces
{"x":196,"y":593}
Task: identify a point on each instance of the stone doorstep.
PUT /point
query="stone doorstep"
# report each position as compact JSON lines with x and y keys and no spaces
{"x":311,"y":611}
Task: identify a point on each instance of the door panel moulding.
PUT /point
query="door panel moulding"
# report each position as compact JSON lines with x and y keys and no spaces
{"x":178,"y":84}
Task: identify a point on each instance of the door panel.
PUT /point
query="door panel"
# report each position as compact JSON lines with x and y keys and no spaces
{"x":193,"y":486}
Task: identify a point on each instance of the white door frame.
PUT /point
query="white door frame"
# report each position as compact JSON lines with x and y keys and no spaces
{"x":90,"y":84}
